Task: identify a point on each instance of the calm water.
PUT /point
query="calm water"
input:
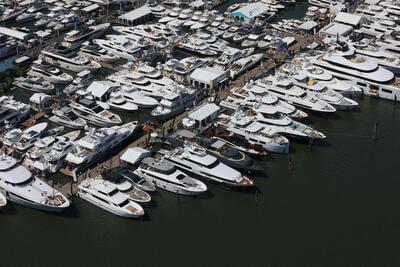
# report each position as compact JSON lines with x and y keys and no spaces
{"x":337,"y":207}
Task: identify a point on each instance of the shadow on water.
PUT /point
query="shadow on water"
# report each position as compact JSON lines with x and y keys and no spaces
{"x":71,"y":212}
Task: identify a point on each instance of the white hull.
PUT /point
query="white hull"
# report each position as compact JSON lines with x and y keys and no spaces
{"x":99,"y":204}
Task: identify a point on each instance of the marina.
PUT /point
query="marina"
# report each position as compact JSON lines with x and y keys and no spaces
{"x":261,"y":114}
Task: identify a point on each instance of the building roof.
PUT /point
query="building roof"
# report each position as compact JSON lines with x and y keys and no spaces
{"x":134,"y":154}
{"x":337,"y":29}
{"x":308,"y":25}
{"x":90,"y":8}
{"x":251,"y":10}
{"x":349,"y":19}
{"x":203,"y":112}
{"x":15,"y":33}
{"x":207,"y":74}
{"x":38,"y":98}
{"x":136,"y":13}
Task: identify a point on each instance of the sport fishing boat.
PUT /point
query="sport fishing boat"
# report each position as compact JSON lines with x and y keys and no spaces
{"x":28,"y":138}
{"x":19,"y":186}
{"x":53,"y":160}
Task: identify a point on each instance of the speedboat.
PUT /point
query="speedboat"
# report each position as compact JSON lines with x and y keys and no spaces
{"x":19,"y":186}
{"x":106,"y":196}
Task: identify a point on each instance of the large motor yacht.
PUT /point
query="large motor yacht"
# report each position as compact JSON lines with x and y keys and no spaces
{"x":121,"y":46}
{"x":97,"y":53}
{"x":176,"y":102}
{"x":195,"y":160}
{"x":287,"y":91}
{"x":75,"y":38}
{"x":19,"y":186}
{"x":106,"y":196}
{"x":93,"y":113}
{"x":229,"y":56}
{"x":12,"y":112}
{"x":34,"y":84}
{"x":50,"y":73}
{"x":98,"y":143}
{"x":254,"y":132}
{"x":364,"y":72}
{"x":68,"y":59}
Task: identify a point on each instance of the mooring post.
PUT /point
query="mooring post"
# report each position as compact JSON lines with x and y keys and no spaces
{"x":375,"y":134}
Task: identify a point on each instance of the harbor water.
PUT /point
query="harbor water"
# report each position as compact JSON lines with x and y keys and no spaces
{"x":338,"y":206}
{"x":330,"y":204}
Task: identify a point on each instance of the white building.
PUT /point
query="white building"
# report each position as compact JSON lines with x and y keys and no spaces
{"x":208,"y":78}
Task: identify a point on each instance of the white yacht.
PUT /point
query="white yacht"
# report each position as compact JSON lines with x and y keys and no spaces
{"x":31,"y":12}
{"x":228,"y":35}
{"x":117,"y":100}
{"x":229,"y":56}
{"x":93,"y":113}
{"x":106,"y":195}
{"x":83,"y":79}
{"x":34,"y":84}
{"x":19,"y":186}
{"x":67,"y":22}
{"x":28,"y":138}
{"x":121,"y":47}
{"x":196,"y":47}
{"x":254,"y":132}
{"x":313,"y":72}
{"x":67,"y":59}
{"x":153,"y":75}
{"x":12,"y":112}
{"x":75,"y":38}
{"x":184,"y":66}
{"x":257,"y":98}
{"x":323,"y":92}
{"x":135,"y":79}
{"x":34,"y":157}
{"x":97,"y":53}
{"x":53,"y":160}
{"x":165,"y":175}
{"x":49,"y":73}
{"x":175,"y":102}
{"x":287,"y":91}
{"x":195,"y":160}
{"x":252,"y":40}
{"x":242,"y":65}
{"x":365,"y":73}
{"x":135,"y":96}
{"x":98,"y":143}
{"x":67,"y":117}
{"x":384,"y":58}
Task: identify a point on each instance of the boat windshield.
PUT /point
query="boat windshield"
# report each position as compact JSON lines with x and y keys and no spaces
{"x":123,"y":204}
{"x":112,"y":193}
